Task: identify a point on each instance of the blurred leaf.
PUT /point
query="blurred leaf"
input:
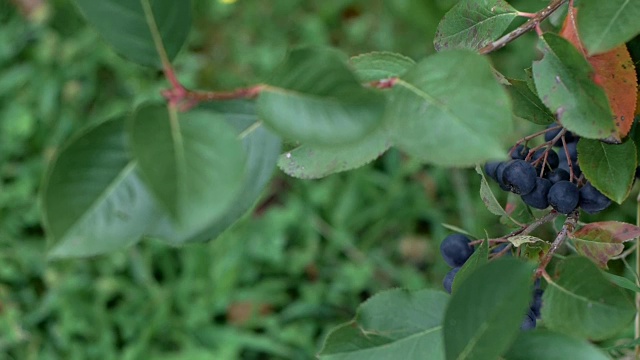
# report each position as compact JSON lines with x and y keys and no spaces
{"x":479,"y":257}
{"x":623,"y":282}
{"x":610,"y":168}
{"x":602,"y":241}
{"x":564,"y":82}
{"x":314,"y":98}
{"x":581,"y":302}
{"x":194,"y":164}
{"x":130,"y":26}
{"x":472,"y":24}
{"x":484,"y":315}
{"x":375,"y":66}
{"x":603,"y":25}
{"x":527,"y":105}
{"x":92,"y":199}
{"x":262,"y":149}
{"x":614,"y":71}
{"x":546,"y":345}
{"x":445,"y":98}
{"x":412,"y":331}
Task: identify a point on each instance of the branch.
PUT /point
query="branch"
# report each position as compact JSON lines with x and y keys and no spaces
{"x":534,"y":22}
{"x":525,"y":230}
{"x":568,"y":227}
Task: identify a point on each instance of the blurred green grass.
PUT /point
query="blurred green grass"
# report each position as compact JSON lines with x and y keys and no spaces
{"x":273,"y":285}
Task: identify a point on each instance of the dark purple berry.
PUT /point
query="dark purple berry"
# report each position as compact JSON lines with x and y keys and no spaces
{"x":591,"y":200}
{"x":563,"y":197}
{"x":558,"y":175}
{"x":538,"y":197}
{"x":529,"y":322}
{"x":519,"y":176}
{"x":552,"y":158}
{"x":565,"y":165}
{"x":455,"y":249}
{"x":499,"y":174}
{"x":519,"y":152}
{"x":536,"y":303}
{"x":447,"y":283}
{"x":490,"y":169}
{"x":549,"y":135}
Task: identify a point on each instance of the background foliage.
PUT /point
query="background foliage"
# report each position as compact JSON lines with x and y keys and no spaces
{"x":312,"y":250}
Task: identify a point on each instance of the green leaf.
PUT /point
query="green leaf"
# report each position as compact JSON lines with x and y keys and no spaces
{"x":477,"y":259}
{"x":564,"y":82}
{"x":489,"y":199}
{"x":623,"y":282}
{"x":93,"y":201}
{"x":546,"y":345}
{"x":262,"y":149}
{"x":520,"y":240}
{"x":312,"y":162}
{"x":472,"y":24}
{"x":484,"y":315}
{"x":131,"y":25}
{"x":603,"y":25}
{"x":527,"y":105}
{"x":450,"y":110}
{"x":601,"y":241}
{"x":581,"y":302}
{"x":395,"y":324}
{"x":610,"y":168}
{"x":314,"y":98}
{"x":194,"y":164}
{"x":376,"y":66}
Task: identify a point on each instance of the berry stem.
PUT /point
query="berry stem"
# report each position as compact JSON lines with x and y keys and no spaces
{"x":569,"y":225}
{"x":566,"y":152}
{"x":532,"y":24}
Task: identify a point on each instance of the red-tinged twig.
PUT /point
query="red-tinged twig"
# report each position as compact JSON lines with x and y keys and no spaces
{"x":532,"y":24}
{"x":569,"y":225}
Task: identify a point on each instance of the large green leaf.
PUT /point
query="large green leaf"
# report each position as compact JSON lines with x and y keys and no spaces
{"x":564,"y":82}
{"x":395,"y":324}
{"x":315,"y":98}
{"x":581,"y":302}
{"x":484,"y":315}
{"x":609,"y":168}
{"x":380,"y":65}
{"x":262,"y":148}
{"x":450,"y":110}
{"x":603,"y":25}
{"x":527,"y":105}
{"x":131,"y":25}
{"x":546,"y":345}
{"x":193,"y":163}
{"x":93,"y":201}
{"x":472,"y":24}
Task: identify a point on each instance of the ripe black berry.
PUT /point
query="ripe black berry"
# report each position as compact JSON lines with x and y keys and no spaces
{"x":455,"y":249}
{"x":529,"y":322}
{"x":519,"y":152}
{"x":558,"y":175}
{"x":536,"y":304}
{"x":490,"y":169}
{"x":538,"y":197}
{"x":591,"y":200}
{"x":552,"y":157}
{"x":519,"y":176}
{"x":563,"y":196}
{"x":447,"y":283}
{"x":549,"y":135}
{"x":500,"y":172}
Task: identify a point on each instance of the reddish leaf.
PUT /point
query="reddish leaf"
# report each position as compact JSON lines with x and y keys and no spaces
{"x":601,"y":241}
{"x":614,"y":71}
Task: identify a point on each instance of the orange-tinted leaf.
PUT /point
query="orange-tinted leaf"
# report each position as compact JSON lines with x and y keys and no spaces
{"x":601,"y":241}
{"x":614,"y":71}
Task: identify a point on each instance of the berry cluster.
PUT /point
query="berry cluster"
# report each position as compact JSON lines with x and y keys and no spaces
{"x":456,"y":250}
{"x":544,"y":177}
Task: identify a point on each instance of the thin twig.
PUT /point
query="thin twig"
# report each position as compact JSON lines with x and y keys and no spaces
{"x":524,"y":230}
{"x":568,"y":227}
{"x":524,"y":28}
